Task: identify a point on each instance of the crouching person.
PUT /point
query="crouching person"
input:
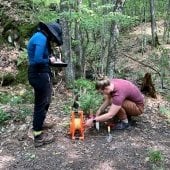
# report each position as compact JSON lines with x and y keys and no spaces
{"x":124,"y":98}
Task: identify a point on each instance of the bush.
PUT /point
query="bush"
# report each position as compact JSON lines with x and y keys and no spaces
{"x":88,"y":99}
{"x":22,"y":65}
{"x":4,"y":116}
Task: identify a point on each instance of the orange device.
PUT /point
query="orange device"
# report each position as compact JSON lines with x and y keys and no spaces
{"x":77,"y":125}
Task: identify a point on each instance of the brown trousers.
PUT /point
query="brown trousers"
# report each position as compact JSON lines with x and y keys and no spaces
{"x":130,"y":108}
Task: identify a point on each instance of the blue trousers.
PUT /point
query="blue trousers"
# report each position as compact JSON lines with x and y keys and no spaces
{"x":41,"y":82}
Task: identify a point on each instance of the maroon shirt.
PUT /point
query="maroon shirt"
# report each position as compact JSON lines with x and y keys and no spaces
{"x":126,"y":90}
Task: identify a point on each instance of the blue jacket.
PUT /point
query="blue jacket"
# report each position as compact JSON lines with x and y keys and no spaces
{"x":37,"y":48}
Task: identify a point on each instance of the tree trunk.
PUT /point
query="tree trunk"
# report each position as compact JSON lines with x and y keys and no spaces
{"x":80,"y":60}
{"x":114,"y":34}
{"x":155,"y":41}
{"x":166,"y":36}
{"x":112,"y":48}
{"x":69,"y":71}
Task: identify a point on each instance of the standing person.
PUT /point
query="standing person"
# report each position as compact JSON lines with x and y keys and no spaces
{"x":39,"y":75}
{"x":124,"y":98}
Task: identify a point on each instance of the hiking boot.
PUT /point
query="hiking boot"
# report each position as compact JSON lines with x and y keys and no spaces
{"x":129,"y":118}
{"x":121,"y":125}
{"x":131,"y":121}
{"x":42,"y":139}
{"x":47,"y":125}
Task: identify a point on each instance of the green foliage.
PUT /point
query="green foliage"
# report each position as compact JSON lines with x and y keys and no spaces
{"x":89,"y":99}
{"x":22,"y":59}
{"x":161,"y":60}
{"x":4,"y":98}
{"x":4,"y":116}
{"x":42,"y":11}
{"x":141,"y":9}
{"x":7,"y":79}
{"x":16,"y":102}
{"x":165,"y":111}
{"x":45,"y":2}
{"x":22,"y":113}
{"x":45,"y":15}
{"x":22,"y":65}
{"x":28,"y":96}
{"x":14,"y":99}
{"x":156,"y":159}
{"x":26,"y":30}
{"x":83,"y":84}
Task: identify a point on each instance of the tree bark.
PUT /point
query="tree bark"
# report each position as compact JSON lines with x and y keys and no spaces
{"x":80,"y":60}
{"x":69,"y":70}
{"x":166,"y":35}
{"x":114,"y":34}
{"x":155,"y":41}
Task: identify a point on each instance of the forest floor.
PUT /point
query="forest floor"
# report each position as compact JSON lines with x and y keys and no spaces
{"x":144,"y":146}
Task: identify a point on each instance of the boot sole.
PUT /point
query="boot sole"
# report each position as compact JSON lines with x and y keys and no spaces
{"x":36,"y":144}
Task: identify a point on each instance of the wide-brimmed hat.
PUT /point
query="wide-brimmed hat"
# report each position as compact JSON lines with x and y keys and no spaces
{"x":54,"y":29}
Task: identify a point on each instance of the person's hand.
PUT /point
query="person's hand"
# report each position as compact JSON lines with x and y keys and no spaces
{"x":89,"y":123}
{"x":53,"y":60}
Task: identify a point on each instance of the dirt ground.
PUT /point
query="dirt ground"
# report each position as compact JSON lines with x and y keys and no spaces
{"x":128,"y":150}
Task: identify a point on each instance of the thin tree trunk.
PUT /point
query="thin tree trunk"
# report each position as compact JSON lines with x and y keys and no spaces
{"x":69,"y":71}
{"x":153,"y":24}
{"x":80,"y":60}
{"x":112,"y":48}
{"x":166,"y":35}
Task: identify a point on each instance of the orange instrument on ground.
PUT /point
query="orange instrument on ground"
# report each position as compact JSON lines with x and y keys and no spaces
{"x":77,"y":125}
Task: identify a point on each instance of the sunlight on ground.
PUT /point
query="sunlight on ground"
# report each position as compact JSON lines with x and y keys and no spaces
{"x":5,"y":160}
{"x":105,"y":165}
{"x":146,"y":29}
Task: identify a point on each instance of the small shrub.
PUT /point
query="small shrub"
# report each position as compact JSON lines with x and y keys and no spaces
{"x":23,"y":112}
{"x":4,"y":98}
{"x":165,"y":111}
{"x":89,"y":102}
{"x":155,"y":156}
{"x":89,"y":99}
{"x":4,"y":116}
{"x":22,"y":65}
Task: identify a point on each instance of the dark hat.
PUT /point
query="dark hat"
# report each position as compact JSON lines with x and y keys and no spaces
{"x":54,"y":29}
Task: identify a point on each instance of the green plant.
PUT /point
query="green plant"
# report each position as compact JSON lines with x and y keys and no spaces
{"x":89,"y":102}
{"x":89,"y":99}
{"x":22,"y":59}
{"x":156,"y":159}
{"x":165,"y":111}
{"x":22,"y":113}
{"x":14,"y":99}
{"x":4,"y":98}
{"x":155,"y":156}
{"x":27,"y":96}
{"x":81,"y":84}
{"x":22,"y":65}
{"x":4,"y":116}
